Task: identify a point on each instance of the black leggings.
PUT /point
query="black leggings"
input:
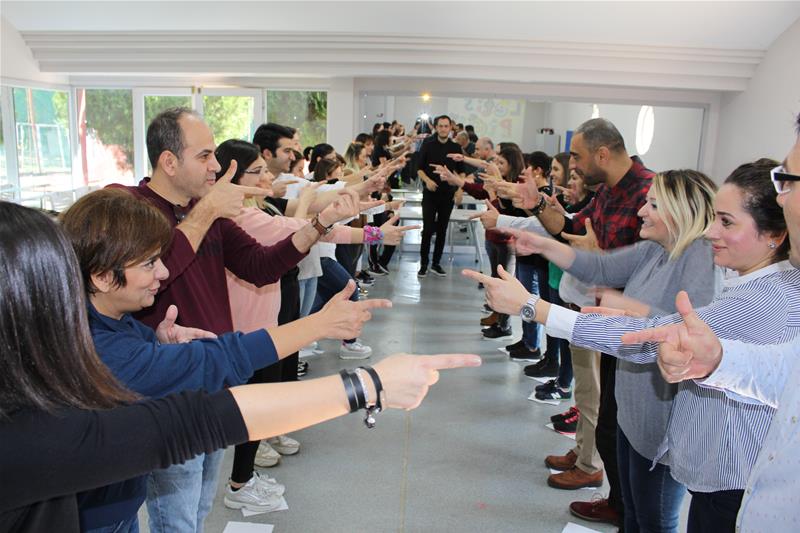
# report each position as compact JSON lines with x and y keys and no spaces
{"x":244,"y":455}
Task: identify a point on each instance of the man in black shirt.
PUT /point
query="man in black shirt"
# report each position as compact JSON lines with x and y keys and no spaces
{"x":437,"y":197}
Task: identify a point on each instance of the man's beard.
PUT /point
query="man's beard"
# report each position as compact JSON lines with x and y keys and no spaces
{"x":596,"y":176}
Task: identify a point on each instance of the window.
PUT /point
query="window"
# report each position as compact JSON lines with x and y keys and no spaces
{"x":153,"y":105}
{"x":229,"y":117}
{"x":43,"y":148}
{"x":645,"y":128}
{"x":105,"y":134}
{"x":305,"y":110}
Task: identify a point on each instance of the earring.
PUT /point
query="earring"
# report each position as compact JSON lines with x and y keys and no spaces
{"x":772,"y":245}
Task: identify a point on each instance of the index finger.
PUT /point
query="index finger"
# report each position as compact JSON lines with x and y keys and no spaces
{"x":453,"y":360}
{"x":407,"y":228}
{"x":476,"y":215}
{"x":252,"y":191}
{"x":659,"y":334}
{"x":477,"y":276}
{"x":570,"y":236}
{"x":369,"y":205}
{"x":373,"y":304}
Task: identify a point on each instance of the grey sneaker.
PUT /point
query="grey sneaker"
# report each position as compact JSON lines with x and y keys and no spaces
{"x":252,"y":496}
{"x":355,"y":350}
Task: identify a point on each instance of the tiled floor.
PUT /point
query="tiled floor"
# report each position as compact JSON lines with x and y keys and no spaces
{"x":470,"y":459}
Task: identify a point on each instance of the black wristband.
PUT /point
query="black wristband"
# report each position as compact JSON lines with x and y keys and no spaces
{"x":350,"y":389}
{"x":540,"y":206}
{"x":376,"y":380}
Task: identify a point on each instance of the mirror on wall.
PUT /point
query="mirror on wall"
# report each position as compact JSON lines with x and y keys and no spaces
{"x":664,"y":137}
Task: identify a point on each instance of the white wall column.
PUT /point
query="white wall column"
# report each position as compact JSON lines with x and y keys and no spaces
{"x":341,"y":113}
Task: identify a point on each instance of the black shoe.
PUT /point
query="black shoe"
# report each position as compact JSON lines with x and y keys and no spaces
{"x":480,"y":286}
{"x":568,"y":425}
{"x":439,"y":271}
{"x":487,"y":309}
{"x":543,"y":369}
{"x":377,"y":271}
{"x":525,"y":355}
{"x":554,"y":393}
{"x":564,"y":416}
{"x":548,"y":385}
{"x":516,"y":346}
{"x":423,"y":271}
{"x":365,"y":279}
{"x":302,"y":368}
{"x":495,"y":331}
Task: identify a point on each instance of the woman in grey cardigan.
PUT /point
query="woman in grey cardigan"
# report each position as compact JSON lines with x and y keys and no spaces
{"x":673,"y":256}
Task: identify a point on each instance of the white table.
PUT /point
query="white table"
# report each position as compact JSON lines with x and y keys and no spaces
{"x":414,"y":197}
{"x":414,"y":213}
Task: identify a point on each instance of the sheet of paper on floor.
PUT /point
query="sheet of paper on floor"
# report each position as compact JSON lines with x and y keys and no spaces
{"x":282,"y":507}
{"x":575,"y":528}
{"x":247,"y":527}
{"x":568,"y":435}
{"x":533,"y":398}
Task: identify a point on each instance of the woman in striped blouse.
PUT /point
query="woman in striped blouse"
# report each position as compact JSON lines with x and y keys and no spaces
{"x":761,"y":305}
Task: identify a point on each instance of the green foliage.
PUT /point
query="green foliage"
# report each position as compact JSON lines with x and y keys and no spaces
{"x":304,"y":110}
{"x":109,"y":115}
{"x":229,"y":117}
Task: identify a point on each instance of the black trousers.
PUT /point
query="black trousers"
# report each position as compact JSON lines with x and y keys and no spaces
{"x":436,"y":211}
{"x":499,"y":254}
{"x":714,"y":511}
{"x":606,"y":431}
{"x":244,"y":455}
{"x":347,"y":255}
{"x":381,"y":254}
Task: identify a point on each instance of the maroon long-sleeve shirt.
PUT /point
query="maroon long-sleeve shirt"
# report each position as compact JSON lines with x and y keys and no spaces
{"x":197,"y":283}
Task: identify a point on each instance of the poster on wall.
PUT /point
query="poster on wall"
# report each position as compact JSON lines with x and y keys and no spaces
{"x":499,"y":118}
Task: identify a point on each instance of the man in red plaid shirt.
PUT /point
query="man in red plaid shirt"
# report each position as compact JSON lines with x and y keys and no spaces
{"x":600,"y":158}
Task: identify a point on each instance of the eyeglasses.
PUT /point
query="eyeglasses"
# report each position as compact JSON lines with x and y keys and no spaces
{"x":782,"y":180}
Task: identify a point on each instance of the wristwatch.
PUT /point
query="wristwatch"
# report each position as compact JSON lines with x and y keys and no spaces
{"x":322,"y":230}
{"x":528,"y":312}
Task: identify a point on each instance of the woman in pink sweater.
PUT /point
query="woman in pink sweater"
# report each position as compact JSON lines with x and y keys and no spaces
{"x":254,"y":308}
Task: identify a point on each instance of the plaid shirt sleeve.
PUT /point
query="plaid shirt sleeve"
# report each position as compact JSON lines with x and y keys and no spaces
{"x":613,"y":212}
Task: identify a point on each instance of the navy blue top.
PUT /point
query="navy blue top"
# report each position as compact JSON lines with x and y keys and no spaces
{"x":136,"y":357}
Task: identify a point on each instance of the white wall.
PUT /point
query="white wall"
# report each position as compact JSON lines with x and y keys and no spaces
{"x":341,"y":113}
{"x":676,"y":139}
{"x":17,"y":62}
{"x":759,"y":121}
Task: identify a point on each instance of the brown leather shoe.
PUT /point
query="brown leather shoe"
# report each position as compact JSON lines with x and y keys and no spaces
{"x":561,"y":462}
{"x":490,"y":320}
{"x":595,"y":511}
{"x":575,"y":478}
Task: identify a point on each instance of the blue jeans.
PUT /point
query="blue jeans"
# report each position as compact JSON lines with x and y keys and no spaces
{"x":180,"y":497}
{"x":130,"y":525}
{"x":308,"y":292}
{"x":652,"y":499}
{"x":334,"y":278}
{"x":530,"y":277}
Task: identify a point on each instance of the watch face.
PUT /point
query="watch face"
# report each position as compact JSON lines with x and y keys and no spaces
{"x":527,"y":312}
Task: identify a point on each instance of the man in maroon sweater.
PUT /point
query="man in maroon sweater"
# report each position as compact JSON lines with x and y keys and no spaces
{"x":205,"y":243}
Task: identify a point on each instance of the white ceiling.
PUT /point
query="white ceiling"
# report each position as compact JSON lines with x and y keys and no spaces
{"x":737,"y":25}
{"x":687,"y":45}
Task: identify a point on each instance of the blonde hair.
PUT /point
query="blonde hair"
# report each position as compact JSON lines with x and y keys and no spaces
{"x":686,"y":200}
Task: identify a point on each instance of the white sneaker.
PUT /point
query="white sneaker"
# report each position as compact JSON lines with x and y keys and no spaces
{"x":355,"y":350}
{"x":266,"y":456}
{"x":284,"y":445}
{"x":311,"y":349}
{"x":269,"y":484}
{"x":253,"y":496}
